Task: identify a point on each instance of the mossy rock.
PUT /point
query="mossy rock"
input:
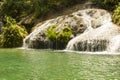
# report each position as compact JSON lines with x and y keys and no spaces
{"x":59,"y":39}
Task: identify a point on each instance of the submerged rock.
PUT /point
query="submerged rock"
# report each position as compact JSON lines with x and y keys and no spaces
{"x":85,"y":23}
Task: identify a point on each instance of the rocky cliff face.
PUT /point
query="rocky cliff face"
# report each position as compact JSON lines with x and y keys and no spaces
{"x":80,"y":22}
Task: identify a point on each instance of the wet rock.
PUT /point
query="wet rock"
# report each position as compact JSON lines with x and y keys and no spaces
{"x":99,"y":39}
{"x":79,"y":22}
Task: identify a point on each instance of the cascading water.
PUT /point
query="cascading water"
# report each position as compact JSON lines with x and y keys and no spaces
{"x":114,"y":45}
{"x":37,"y":36}
{"x":103,"y":38}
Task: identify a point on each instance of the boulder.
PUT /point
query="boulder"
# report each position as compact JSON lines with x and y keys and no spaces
{"x":99,"y":39}
{"x":80,"y":21}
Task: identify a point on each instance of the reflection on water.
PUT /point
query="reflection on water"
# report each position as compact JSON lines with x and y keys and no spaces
{"x":16,"y":64}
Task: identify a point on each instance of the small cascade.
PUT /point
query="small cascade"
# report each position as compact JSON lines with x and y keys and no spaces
{"x":38,"y":38}
{"x":114,"y":45}
{"x":99,"y":39}
{"x":97,"y":36}
{"x":90,"y":45}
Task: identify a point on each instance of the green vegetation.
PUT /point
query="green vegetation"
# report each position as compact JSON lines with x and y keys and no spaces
{"x":51,"y":33}
{"x":59,"y":38}
{"x":20,"y":8}
{"x":13,"y":34}
{"x":26,"y":12}
{"x":64,"y":37}
{"x":107,"y":4}
{"x":116,"y":15}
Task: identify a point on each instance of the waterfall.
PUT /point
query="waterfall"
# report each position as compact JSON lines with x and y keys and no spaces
{"x":106,"y":37}
{"x":34,"y":39}
{"x":92,"y":30}
{"x":90,"y":45}
{"x":114,"y":45}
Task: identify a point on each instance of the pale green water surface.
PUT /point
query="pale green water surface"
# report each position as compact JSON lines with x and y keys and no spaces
{"x":17,"y":64}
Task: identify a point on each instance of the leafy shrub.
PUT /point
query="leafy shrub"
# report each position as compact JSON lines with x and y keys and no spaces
{"x":116,"y":15}
{"x":16,"y":9}
{"x":9,"y":21}
{"x":59,"y":39}
{"x":28,"y":12}
{"x":21,"y":8}
{"x":13,"y":36}
{"x":64,"y":37}
{"x":51,"y":33}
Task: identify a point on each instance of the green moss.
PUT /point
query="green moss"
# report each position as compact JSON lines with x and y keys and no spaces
{"x":64,"y":37}
{"x":116,"y":15}
{"x":59,"y":39}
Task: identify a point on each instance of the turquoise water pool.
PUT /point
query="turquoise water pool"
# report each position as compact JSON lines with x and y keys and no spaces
{"x":18,"y":64}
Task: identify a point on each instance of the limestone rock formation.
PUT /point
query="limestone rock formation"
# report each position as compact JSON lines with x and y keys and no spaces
{"x":102,"y":38}
{"x":80,"y":22}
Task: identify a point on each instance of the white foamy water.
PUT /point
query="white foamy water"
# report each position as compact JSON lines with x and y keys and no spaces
{"x":106,"y":37}
{"x":114,"y":45}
